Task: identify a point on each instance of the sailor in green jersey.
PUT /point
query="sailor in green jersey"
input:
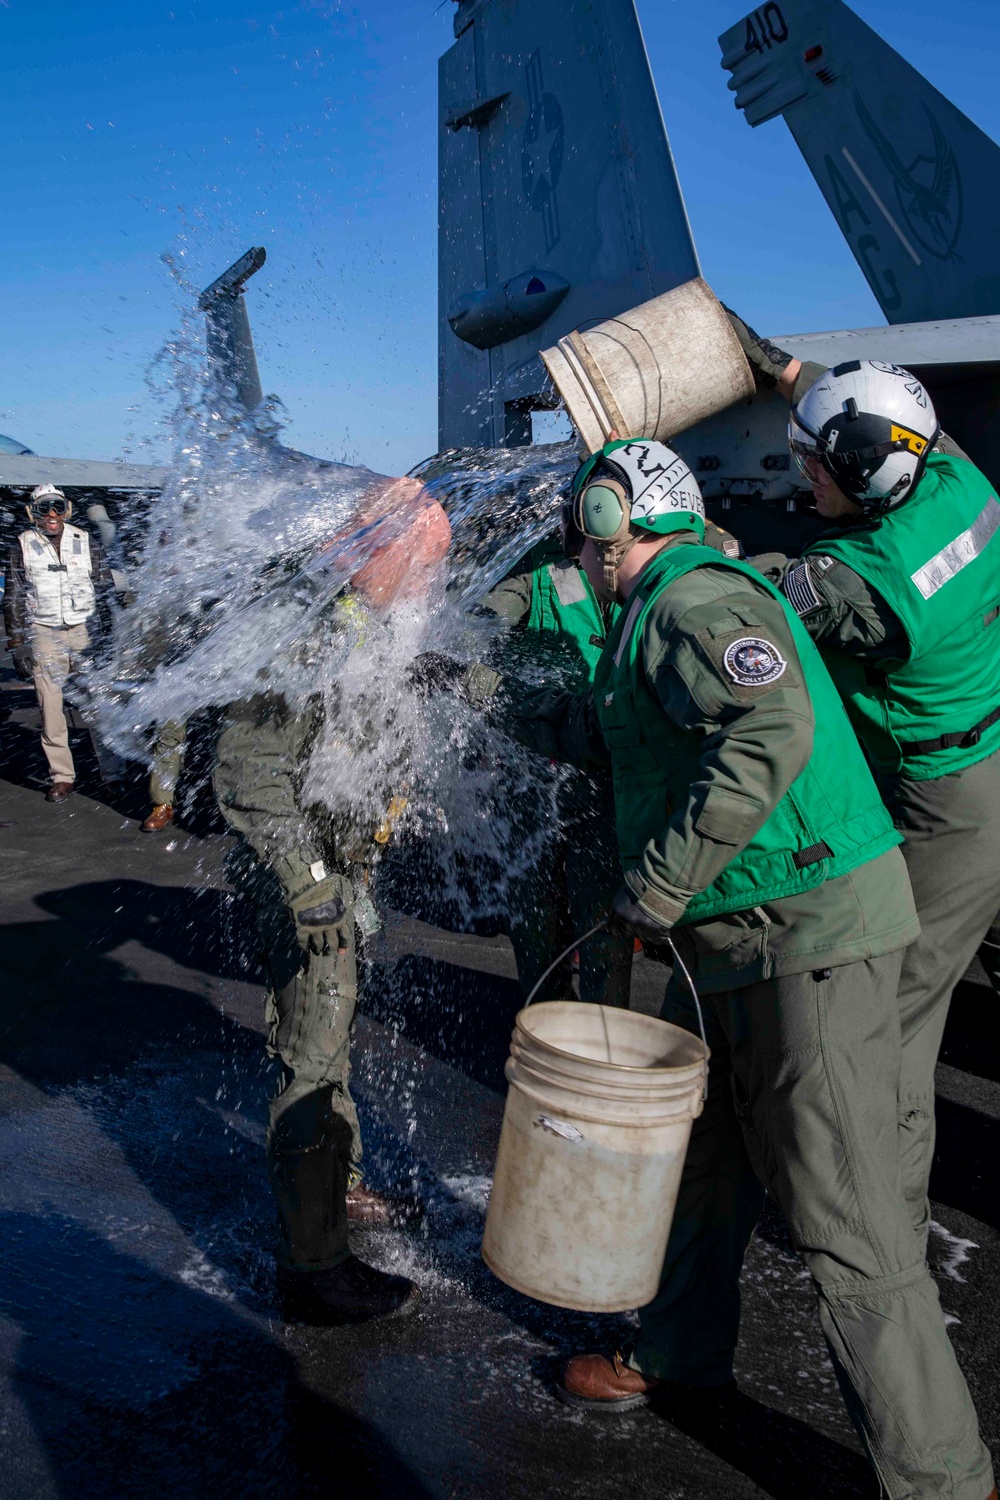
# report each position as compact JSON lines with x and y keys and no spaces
{"x":559,"y":625}
{"x":558,"y":628}
{"x":903,"y":598}
{"x":751,"y":830}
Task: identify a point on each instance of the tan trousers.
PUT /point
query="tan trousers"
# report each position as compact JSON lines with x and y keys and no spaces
{"x":55,"y":657}
{"x":168,"y":757}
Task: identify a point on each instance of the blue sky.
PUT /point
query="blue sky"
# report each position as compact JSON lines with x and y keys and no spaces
{"x":133,"y":131}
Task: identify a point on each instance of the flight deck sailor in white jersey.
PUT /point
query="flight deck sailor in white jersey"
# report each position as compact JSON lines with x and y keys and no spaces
{"x":57,"y":602}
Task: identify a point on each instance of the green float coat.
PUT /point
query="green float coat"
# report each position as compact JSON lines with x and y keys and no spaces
{"x":935,"y":560}
{"x":834,"y":801}
{"x":565,"y":607}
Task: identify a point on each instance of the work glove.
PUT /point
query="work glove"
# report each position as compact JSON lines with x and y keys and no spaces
{"x":767,"y":362}
{"x":628,"y":919}
{"x":22,"y":662}
{"x":433,"y":672}
{"x":323,"y":923}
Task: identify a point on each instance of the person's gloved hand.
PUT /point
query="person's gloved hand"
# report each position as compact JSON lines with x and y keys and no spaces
{"x":433,"y":672}
{"x":628,"y":918}
{"x":22,"y":662}
{"x":323,"y":922}
{"x":767,"y":362}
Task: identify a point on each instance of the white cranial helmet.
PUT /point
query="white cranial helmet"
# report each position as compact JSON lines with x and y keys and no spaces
{"x":41,"y":502}
{"x":629,"y":486}
{"x":637,"y":482}
{"x":870,"y":425}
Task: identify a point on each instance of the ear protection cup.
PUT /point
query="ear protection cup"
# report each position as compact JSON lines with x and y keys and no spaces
{"x":602,"y":511}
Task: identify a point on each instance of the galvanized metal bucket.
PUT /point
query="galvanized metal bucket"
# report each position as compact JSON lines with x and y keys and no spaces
{"x":651,"y":372}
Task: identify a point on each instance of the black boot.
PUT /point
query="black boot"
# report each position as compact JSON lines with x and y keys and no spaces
{"x":352,"y":1292}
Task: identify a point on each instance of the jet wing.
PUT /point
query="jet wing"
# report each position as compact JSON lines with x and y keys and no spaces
{"x":962,"y":343}
{"x":19,"y":471}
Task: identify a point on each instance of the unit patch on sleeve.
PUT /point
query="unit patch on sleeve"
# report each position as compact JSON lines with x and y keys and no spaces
{"x":753,"y":662}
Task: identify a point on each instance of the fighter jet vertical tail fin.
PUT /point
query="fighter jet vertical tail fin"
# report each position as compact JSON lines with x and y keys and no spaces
{"x":560,"y":204}
{"x":230,"y":342}
{"x":912,"y":183}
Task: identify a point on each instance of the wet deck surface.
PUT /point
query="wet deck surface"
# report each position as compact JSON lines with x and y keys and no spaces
{"x":141,"y":1353}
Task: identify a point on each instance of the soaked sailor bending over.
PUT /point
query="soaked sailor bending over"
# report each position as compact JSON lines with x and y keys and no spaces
{"x":304,"y":872}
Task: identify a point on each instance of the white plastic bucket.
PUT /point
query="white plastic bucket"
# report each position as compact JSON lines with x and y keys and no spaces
{"x":651,"y":372}
{"x":595,"y":1131}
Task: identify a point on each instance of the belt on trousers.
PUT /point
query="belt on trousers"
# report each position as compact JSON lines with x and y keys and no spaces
{"x":961,"y":741}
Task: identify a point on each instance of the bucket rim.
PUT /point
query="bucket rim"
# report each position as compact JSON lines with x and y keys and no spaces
{"x":597,"y":1062}
{"x":610,"y":1114}
{"x":595,"y":1088}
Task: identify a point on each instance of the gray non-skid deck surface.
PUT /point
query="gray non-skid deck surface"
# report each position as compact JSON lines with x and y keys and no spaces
{"x":140,"y":1350}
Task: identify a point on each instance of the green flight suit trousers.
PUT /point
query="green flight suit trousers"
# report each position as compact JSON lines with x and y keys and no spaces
{"x":803,"y":1101}
{"x":313,"y":1138}
{"x":951,"y":828}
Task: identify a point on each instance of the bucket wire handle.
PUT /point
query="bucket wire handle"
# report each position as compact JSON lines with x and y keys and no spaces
{"x":597,"y":927}
{"x":697,"y":1005}
{"x":564,"y":954}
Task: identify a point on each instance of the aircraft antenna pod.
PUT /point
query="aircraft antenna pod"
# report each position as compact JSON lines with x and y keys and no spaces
{"x":651,"y":372}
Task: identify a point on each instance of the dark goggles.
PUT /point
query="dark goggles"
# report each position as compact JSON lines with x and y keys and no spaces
{"x":49,"y":507}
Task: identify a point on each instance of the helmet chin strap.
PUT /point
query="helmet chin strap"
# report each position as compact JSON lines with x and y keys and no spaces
{"x":612,"y":554}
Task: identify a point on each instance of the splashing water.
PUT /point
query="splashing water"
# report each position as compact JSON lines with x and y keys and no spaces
{"x":240,"y":590}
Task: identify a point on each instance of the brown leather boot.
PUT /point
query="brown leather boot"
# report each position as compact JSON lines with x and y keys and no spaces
{"x":161,"y":817}
{"x":58,"y":791}
{"x":600,"y":1384}
{"x":367,"y":1209}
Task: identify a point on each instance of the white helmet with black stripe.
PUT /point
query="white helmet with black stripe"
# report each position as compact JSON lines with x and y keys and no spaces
{"x":870,"y":425}
{"x":628,"y":487}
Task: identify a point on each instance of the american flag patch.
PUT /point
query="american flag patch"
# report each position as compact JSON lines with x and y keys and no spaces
{"x":800,"y":591}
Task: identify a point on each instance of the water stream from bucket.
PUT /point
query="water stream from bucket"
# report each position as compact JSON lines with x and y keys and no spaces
{"x":238,"y":590}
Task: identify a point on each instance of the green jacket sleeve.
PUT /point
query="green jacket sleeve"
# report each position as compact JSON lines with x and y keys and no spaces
{"x":836,"y":605}
{"x":510,"y":600}
{"x":755,"y":739}
{"x":549,"y":720}
{"x":556,"y":723}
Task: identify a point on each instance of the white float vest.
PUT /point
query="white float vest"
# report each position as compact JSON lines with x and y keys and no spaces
{"x":59,"y":593}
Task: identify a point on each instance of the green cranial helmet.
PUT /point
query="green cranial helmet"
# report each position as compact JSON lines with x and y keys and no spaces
{"x":630,"y":486}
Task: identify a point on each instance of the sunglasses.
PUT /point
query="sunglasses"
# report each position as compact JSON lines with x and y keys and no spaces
{"x":49,"y":507}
